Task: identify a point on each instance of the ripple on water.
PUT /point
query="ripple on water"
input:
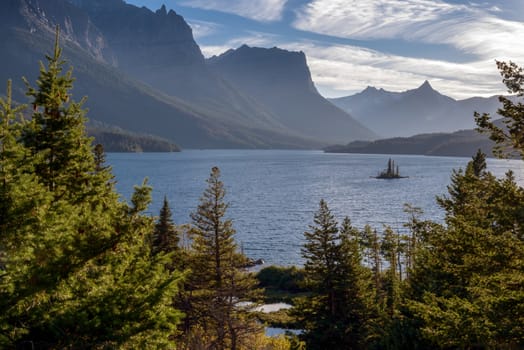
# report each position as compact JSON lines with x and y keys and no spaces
{"x":273,"y":194}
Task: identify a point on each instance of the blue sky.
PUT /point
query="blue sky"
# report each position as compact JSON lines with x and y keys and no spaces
{"x":390,"y":44}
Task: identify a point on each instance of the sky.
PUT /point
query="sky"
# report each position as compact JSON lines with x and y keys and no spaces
{"x":351,"y":44}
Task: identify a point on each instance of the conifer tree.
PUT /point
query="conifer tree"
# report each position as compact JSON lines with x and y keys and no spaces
{"x":509,"y":139}
{"x":389,"y":248}
{"x":370,"y":246}
{"x":467,"y":285}
{"x":165,"y":236}
{"x":355,"y":290}
{"x":11,"y":153}
{"x":337,"y":315}
{"x":218,"y":284}
{"x":77,"y":266}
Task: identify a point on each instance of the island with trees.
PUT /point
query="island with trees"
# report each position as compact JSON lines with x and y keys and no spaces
{"x":391,"y":172}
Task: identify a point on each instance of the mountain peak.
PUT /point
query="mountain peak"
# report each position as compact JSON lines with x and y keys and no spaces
{"x":369,"y":88}
{"x":162,"y":11}
{"x":426,"y":86}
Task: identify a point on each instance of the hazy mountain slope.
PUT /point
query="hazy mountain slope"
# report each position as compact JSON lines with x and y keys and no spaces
{"x":27,"y":32}
{"x":281,"y":81}
{"x":421,"y":110}
{"x":158,"y":48}
{"x":462,"y":143}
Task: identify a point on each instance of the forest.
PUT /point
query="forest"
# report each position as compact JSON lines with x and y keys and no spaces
{"x":81,"y":269}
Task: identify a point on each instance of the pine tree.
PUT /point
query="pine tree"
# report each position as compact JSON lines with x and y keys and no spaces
{"x":320,"y":252}
{"x":165,"y":236}
{"x":389,"y":248}
{"x":370,"y":246}
{"x":57,"y":133}
{"x":355,"y":289}
{"x":510,"y":138}
{"x":218,"y":285}
{"x":99,"y":156}
{"x":338,"y":313}
{"x":467,"y":285}
{"x":78,"y":270}
{"x":11,"y":154}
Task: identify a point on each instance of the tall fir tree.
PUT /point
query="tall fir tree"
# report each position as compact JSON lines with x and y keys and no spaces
{"x":354,"y":286}
{"x":77,"y":266}
{"x":219,"y":286}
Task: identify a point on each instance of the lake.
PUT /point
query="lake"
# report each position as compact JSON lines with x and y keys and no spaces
{"x":274,"y":193}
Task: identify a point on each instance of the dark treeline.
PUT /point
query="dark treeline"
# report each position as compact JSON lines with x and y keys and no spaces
{"x":115,"y":140}
{"x":79,"y":269}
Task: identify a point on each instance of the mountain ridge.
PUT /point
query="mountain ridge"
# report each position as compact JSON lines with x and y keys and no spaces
{"x":414,"y":111}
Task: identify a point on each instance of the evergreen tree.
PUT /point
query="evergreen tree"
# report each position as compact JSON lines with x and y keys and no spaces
{"x":337,"y":315}
{"x":77,"y":267}
{"x":467,"y":285}
{"x":355,"y":291}
{"x":509,"y":139}
{"x":11,"y":154}
{"x":390,"y":248}
{"x":165,"y":236}
{"x":56,"y":132}
{"x":370,"y":246}
{"x":100,"y":157}
{"x":218,"y":285}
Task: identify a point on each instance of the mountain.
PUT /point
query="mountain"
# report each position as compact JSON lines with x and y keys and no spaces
{"x":421,"y":110}
{"x":281,"y":81}
{"x":103,"y":57}
{"x":463,"y":143}
{"x":158,"y":48}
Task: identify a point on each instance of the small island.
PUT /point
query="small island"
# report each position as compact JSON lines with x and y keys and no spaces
{"x":391,"y":172}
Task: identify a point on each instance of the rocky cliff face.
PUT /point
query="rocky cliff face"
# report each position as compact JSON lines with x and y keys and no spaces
{"x":41,"y":17}
{"x":141,"y":39}
{"x":281,"y":81}
{"x":254,"y":69}
{"x":158,"y":48}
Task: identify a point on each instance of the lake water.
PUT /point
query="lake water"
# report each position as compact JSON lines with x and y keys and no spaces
{"x":274,"y":193}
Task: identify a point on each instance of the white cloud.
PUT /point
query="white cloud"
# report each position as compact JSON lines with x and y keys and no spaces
{"x":345,"y":70}
{"x":202,"y":29}
{"x":472,"y":29}
{"x":487,"y":37}
{"x":259,"y":10}
{"x":373,"y":19}
{"x":339,"y":70}
{"x":213,"y":50}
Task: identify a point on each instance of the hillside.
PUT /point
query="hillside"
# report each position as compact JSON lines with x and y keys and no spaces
{"x":464,"y":143}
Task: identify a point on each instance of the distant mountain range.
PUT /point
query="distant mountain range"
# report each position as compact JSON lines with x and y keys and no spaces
{"x":417,"y":111}
{"x":143,"y":71}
